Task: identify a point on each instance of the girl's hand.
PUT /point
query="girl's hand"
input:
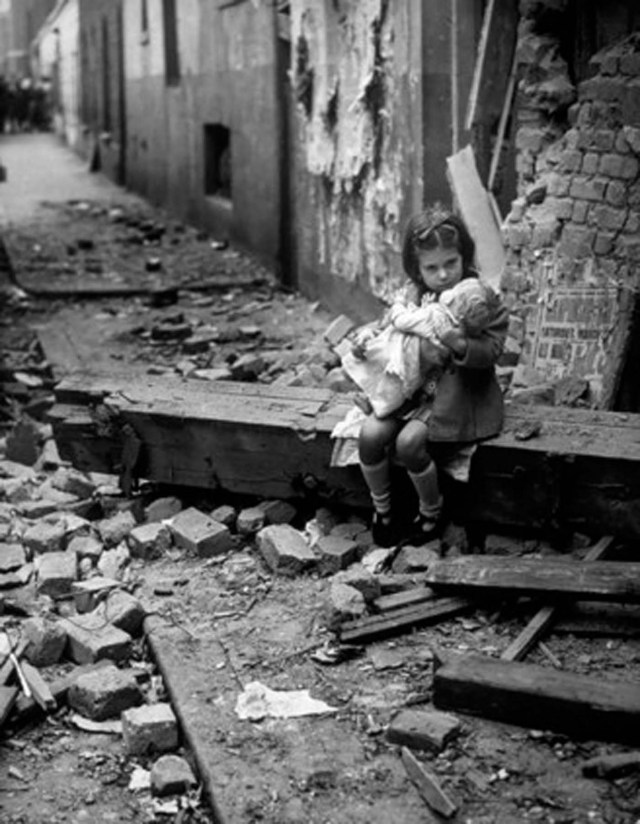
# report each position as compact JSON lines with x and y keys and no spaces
{"x":361,"y":338}
{"x":455,"y":340}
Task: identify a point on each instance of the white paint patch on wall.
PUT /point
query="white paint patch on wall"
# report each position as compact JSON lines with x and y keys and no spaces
{"x":353,"y":65}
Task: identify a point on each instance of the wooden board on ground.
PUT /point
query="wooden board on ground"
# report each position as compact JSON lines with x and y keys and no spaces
{"x":400,"y":620}
{"x":8,"y":696}
{"x":539,"y":697}
{"x":579,"y":472}
{"x":552,"y":578}
{"x":546,"y":616}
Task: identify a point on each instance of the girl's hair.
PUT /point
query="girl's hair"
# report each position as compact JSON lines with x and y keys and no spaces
{"x":431,"y":229}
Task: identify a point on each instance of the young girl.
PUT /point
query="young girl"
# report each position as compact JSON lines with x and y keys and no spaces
{"x":449,"y":414}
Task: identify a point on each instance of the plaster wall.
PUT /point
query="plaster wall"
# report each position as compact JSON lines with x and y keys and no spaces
{"x":227,"y":65}
{"x":357,"y":88}
{"x":58,"y":57}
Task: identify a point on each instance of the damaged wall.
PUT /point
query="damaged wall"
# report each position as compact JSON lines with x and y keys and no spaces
{"x":573,"y":233}
{"x":356,"y":74}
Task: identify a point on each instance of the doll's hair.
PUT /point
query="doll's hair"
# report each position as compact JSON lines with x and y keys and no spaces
{"x":432,"y":229}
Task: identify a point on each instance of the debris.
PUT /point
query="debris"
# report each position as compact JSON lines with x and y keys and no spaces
{"x":171,"y":775}
{"x":549,"y":577}
{"x":427,"y":785}
{"x":258,"y":701}
{"x":104,"y":693}
{"x":423,"y":730}
{"x":546,"y":616}
{"x":38,"y":687}
{"x":612,"y":766}
{"x":380,"y":626}
{"x":334,"y":653}
{"x":538,"y":697}
{"x":196,"y":532}
{"x":87,"y":725}
{"x":149,"y":728}
{"x":285,"y":549}
{"x":526,"y":430}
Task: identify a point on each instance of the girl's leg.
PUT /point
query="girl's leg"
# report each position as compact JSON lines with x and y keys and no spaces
{"x":376,"y":436}
{"x":412,"y":451}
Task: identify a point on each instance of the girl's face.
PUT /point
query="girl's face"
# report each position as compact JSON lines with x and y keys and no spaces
{"x":440,"y":268}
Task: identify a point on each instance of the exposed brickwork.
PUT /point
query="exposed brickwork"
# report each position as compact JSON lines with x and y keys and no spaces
{"x":572,"y":233}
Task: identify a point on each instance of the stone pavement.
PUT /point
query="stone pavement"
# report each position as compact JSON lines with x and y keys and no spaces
{"x":42,"y":168}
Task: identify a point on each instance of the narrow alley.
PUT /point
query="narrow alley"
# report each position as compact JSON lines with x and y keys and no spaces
{"x":201,"y":619}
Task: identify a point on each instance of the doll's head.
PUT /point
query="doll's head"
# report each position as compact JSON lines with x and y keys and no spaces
{"x":471,"y":303}
{"x":442,"y":234}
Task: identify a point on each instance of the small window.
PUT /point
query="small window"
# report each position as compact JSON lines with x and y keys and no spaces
{"x":217,"y":160}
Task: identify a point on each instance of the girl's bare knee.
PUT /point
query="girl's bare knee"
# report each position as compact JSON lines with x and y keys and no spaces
{"x":375,"y":436}
{"x":411,"y":447}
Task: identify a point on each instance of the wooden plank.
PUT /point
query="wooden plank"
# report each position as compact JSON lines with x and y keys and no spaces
{"x":580,"y":472}
{"x":417,"y":595}
{"x":495,"y":54}
{"x":545,"y":617}
{"x":473,"y":203}
{"x":39,"y":688}
{"x":8,"y":697}
{"x":381,"y":626}
{"x":553,"y":578}
{"x":427,"y":785}
{"x":539,"y":698}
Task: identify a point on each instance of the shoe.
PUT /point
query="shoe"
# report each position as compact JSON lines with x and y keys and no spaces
{"x":425,"y":528}
{"x":383,"y":530}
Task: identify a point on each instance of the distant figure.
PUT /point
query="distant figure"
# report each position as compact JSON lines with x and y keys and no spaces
{"x":4,"y":101}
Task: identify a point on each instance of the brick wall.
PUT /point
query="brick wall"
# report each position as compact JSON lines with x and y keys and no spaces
{"x":573,"y":233}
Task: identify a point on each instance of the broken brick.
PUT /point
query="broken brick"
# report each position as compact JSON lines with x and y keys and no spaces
{"x":149,"y":728}
{"x":149,"y":541}
{"x":44,"y":537}
{"x":162,"y":509}
{"x":45,"y":639}
{"x":250,"y":520}
{"x":105,"y":693}
{"x":171,"y":775}
{"x":90,"y":639}
{"x":285,"y":549}
{"x":422,"y":730}
{"x":57,"y":571}
{"x":196,"y":532}
{"x":335,"y":553}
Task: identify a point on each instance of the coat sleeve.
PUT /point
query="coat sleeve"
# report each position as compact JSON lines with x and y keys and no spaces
{"x":484,"y":350}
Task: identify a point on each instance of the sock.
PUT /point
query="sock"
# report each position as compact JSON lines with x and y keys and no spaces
{"x":378,"y":479}
{"x":426,"y":485}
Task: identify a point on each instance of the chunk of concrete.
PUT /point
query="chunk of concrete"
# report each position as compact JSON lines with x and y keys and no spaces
{"x":45,"y":536}
{"x":345,"y":603}
{"x":113,"y":563}
{"x":285,"y":549}
{"x":124,"y":611}
{"x":149,"y":541}
{"x":199,"y":533}
{"x":46,"y":641}
{"x":86,"y":546}
{"x":56,"y":573}
{"x":12,"y":556}
{"x":335,"y":553}
{"x":360,"y":578}
{"x":115,"y":529}
{"x":88,"y":594}
{"x":105,"y":693}
{"x":250,"y":520}
{"x":150,"y":728}
{"x":226,"y":515}
{"x":162,"y":509}
{"x":90,"y":639}
{"x":277,"y":512}
{"x":423,"y":730}
{"x":73,"y":481}
{"x":171,"y":775}
{"x":416,"y":558}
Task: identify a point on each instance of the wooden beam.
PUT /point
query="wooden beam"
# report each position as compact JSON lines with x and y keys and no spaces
{"x":408,"y":597}
{"x":473,"y":202}
{"x":547,"y":615}
{"x":552,"y":578}
{"x":493,"y":61}
{"x":399,"y":620}
{"x":580,"y":472}
{"x":39,"y":688}
{"x":539,"y":697}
